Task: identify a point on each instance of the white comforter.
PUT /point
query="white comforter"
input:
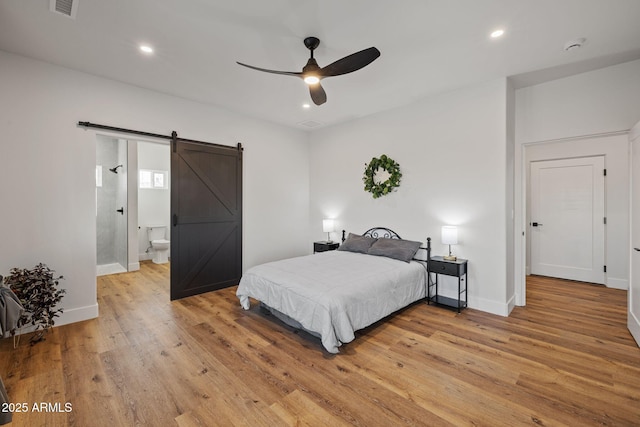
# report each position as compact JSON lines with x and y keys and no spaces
{"x":334,"y":293}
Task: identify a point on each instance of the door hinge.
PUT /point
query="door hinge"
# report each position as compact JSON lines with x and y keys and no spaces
{"x":605,"y":268}
{"x":605,"y":172}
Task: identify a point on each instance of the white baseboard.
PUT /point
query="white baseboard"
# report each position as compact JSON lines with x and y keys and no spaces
{"x":69,"y":316}
{"x":79,"y":314}
{"x":134,"y":266}
{"x":493,"y":307}
{"x":633,"y":323}
{"x":617,"y":283}
{"x":144,"y":256}
{"x":511,"y":304}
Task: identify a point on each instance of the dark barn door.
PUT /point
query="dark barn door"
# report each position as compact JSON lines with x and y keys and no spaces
{"x":206,"y":215}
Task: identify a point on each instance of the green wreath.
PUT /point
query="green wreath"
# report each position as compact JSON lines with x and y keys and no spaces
{"x":385,"y":187}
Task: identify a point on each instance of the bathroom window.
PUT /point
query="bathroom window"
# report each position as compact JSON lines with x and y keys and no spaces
{"x":158,"y":180}
{"x":154,"y":179}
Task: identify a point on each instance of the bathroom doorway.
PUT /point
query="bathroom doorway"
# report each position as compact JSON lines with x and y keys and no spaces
{"x":154,"y":200}
{"x":132,"y":198}
{"x":111,"y":205}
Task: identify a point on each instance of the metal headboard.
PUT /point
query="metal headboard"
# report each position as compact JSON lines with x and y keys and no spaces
{"x":386,"y":233}
{"x":376,"y":233}
{"x":381,"y":233}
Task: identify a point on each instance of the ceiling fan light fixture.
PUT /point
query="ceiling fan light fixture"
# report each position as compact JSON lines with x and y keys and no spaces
{"x":312,"y":73}
{"x":311,"y":80}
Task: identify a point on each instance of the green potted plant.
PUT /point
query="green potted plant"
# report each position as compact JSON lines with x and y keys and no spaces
{"x":37,"y":290}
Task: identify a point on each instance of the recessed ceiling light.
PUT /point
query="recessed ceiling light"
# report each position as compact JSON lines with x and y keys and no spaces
{"x":306,"y":106}
{"x":146,"y":48}
{"x":497,"y":33}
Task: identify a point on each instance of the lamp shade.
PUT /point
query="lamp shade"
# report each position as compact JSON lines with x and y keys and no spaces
{"x":449,"y":235}
{"x":328,"y":225}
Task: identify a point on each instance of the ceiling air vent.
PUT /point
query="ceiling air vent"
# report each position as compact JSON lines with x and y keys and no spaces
{"x":65,"y":7}
{"x":310,"y":124}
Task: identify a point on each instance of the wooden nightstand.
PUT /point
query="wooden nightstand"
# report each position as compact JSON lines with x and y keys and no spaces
{"x":458,"y":268}
{"x":325,"y":246}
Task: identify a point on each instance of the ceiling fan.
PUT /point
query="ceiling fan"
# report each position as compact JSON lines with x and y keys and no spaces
{"x":312,"y":73}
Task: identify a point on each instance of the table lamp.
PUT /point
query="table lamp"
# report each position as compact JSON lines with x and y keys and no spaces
{"x":450,"y":237}
{"x":328,"y":226}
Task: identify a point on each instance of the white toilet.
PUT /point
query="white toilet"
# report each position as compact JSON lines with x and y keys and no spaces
{"x":159,"y":243}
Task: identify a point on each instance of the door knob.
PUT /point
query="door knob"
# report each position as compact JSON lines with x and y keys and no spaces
{"x":121,"y":210}
{"x":637,"y":249}
{"x":535,"y":224}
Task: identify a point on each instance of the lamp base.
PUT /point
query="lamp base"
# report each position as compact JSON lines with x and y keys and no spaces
{"x":450,"y":258}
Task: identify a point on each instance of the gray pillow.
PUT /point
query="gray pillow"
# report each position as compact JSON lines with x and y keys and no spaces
{"x":357,"y":243}
{"x":403,"y":250}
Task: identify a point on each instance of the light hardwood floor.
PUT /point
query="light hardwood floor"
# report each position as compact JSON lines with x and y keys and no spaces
{"x":565,"y":359}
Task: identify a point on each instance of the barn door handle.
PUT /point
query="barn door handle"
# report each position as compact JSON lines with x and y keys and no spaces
{"x":175,"y":220}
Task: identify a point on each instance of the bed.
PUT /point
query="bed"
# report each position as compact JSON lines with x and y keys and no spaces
{"x":335,"y":293}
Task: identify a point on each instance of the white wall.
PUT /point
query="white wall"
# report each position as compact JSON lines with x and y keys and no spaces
{"x":510,"y":195}
{"x":132,"y":205}
{"x":596,"y":103}
{"x":633,"y":316}
{"x":48,"y":169}
{"x":600,"y":101}
{"x":452,"y":154}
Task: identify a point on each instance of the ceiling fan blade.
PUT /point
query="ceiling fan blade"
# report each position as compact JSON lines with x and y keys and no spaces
{"x":318,"y":95}
{"x":286,"y":73}
{"x":351,"y":63}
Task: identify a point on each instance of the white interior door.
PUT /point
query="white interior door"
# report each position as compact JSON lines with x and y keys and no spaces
{"x":567,"y":219}
{"x":633,"y":318}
